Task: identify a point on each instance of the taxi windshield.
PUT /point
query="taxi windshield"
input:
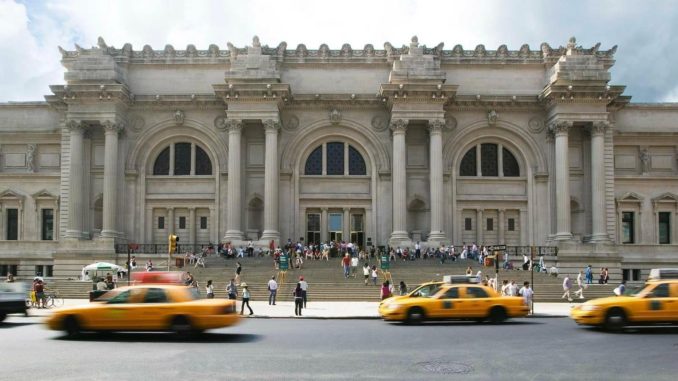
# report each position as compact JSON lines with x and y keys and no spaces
{"x":426,"y":291}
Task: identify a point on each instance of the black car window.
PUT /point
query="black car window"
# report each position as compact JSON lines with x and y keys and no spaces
{"x":155,"y":295}
{"x":661,"y":291}
{"x":475,"y":292}
{"x":451,"y":293}
{"x":121,"y":298}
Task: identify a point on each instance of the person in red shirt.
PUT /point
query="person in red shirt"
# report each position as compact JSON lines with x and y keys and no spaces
{"x":346,"y":263}
{"x":40,"y":293}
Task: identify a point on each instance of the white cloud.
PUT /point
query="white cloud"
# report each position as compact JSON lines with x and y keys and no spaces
{"x":30,"y":33}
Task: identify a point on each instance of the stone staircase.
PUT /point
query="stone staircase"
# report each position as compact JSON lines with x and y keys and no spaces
{"x":327,"y":283}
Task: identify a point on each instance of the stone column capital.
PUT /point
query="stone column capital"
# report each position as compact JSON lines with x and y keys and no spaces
{"x":170,"y":209}
{"x":271,"y":125}
{"x":560,"y":127}
{"x":112,"y":127}
{"x":75,"y":126}
{"x":599,"y":128}
{"x":233,"y":125}
{"x":399,"y":125}
{"x":435,"y":126}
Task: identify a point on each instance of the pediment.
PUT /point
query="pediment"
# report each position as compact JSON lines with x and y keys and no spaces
{"x":44,"y":195}
{"x":630,"y":197}
{"x":10,"y":194}
{"x":666,"y":197}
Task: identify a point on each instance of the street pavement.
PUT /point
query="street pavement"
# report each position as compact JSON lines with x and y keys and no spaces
{"x":343,"y":349}
{"x":334,"y":310}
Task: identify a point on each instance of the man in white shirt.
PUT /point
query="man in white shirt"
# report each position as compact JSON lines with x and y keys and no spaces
{"x":527,"y":293}
{"x":273,"y":290}
{"x":304,"y":288}
{"x":354,"y":265}
{"x":417,"y":250}
{"x":567,"y":285}
{"x":512,"y":289}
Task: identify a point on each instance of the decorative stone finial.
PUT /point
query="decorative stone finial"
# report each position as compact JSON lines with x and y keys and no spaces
{"x":179,"y":117}
{"x":492,"y":117}
{"x":101,"y":43}
{"x":335,"y":116}
{"x":415,"y":42}
{"x":255,"y":42}
{"x":572,"y":43}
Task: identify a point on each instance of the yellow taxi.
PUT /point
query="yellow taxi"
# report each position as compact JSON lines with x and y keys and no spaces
{"x":656,"y":303}
{"x":147,"y":307}
{"x":449,"y":300}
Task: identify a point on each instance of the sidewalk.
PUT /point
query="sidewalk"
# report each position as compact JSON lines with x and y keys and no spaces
{"x":332,"y":310}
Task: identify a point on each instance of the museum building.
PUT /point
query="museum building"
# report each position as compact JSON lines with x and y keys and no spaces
{"x":376,"y":146}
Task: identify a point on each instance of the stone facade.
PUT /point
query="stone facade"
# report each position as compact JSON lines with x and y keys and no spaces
{"x":392,"y":146}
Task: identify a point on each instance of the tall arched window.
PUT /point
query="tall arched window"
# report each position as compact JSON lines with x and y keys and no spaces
{"x":339,"y":159}
{"x":188,"y":159}
{"x":491,"y":164}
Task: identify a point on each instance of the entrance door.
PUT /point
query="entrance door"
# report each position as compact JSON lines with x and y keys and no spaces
{"x":358,"y":230}
{"x":313,"y":228}
{"x":335,"y":226}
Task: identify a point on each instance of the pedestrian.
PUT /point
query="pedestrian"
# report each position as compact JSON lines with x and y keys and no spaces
{"x":589,"y":275}
{"x":346,"y":263}
{"x":469,"y":271}
{"x":354,"y":266}
{"x":619,"y":291}
{"x":526,"y":292}
{"x":512,"y":288}
{"x":298,"y":299}
{"x":209,"y":289}
{"x":505,"y":287}
{"x":245,"y":299}
{"x":149,"y":265}
{"x":273,"y":290}
{"x":601,"y":278}
{"x":567,"y":285}
{"x":304,"y":289}
{"x":366,"y":273}
{"x":238,"y":270}
{"x":385,"y":290}
{"x":526,"y":262}
{"x":232,"y":290}
{"x":10,"y":278}
{"x":374,"y":274}
{"x":403,"y":288}
{"x":581,"y":285}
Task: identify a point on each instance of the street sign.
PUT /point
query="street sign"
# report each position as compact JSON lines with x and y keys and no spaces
{"x":284,"y":262}
{"x":497,"y":248}
{"x":385,"y":264}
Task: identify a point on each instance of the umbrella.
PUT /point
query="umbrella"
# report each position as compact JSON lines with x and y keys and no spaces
{"x":103,"y":266}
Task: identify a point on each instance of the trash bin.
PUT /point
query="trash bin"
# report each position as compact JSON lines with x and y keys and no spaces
{"x":179,"y":262}
{"x":489,"y":261}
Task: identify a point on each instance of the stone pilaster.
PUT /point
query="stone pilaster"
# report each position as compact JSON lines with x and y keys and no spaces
{"x":111,"y":132}
{"x":479,"y":226}
{"x":75,"y":196}
{"x":346,"y":228}
{"x":598,"y":205}
{"x":191,"y":226}
{"x":170,"y":221}
{"x":323,"y":225}
{"x":435,"y":128}
{"x":399,"y":180}
{"x":500,"y":224}
{"x":271,"y":181}
{"x":563,"y":227}
{"x":233,"y":218}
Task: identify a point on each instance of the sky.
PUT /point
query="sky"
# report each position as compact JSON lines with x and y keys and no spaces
{"x":645,"y":31}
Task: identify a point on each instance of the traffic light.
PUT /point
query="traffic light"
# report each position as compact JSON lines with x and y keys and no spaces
{"x":173,"y":243}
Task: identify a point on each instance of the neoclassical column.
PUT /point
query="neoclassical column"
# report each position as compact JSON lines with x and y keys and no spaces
{"x":500,"y":223}
{"x":111,"y":132}
{"x":191,"y":226}
{"x":563,"y":227}
{"x":323,"y":225}
{"x":170,"y":221}
{"x":233,"y":229}
{"x":435,"y":128}
{"x":479,"y":226}
{"x":75,"y":196}
{"x":399,"y":180}
{"x":271,"y":181}
{"x":346,"y":228}
{"x":598,"y":214}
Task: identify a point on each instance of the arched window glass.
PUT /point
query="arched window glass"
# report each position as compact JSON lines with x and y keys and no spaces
{"x":511,"y":168}
{"x":161,"y":165}
{"x":203,"y":164}
{"x":468,"y":163}
{"x":314,"y":163}
{"x":182,"y":159}
{"x":335,"y":158}
{"x":489,"y":163}
{"x":356,"y":163}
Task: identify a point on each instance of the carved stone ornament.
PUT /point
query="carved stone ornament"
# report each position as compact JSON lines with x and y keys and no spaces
{"x":379,"y":123}
{"x":399,"y":125}
{"x":450,"y":122}
{"x":335,"y":116}
{"x":599,"y":128}
{"x":220,"y":123}
{"x":233,"y":125}
{"x":75,"y":125}
{"x":436,"y":125}
{"x":111,"y":126}
{"x":271,"y":125}
{"x":30,"y":158}
{"x":291,"y":123}
{"x":492,"y":117}
{"x":179,"y":117}
{"x":560,"y":127}
{"x":136,"y":123}
{"x":536,"y":125}
{"x":645,"y":160}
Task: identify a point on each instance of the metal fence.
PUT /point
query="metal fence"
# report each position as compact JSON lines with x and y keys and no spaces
{"x":153,"y":248}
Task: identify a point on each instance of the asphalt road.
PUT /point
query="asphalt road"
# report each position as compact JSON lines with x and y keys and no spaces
{"x":309,"y":349}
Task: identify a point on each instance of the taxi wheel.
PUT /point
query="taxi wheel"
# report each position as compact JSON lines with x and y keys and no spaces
{"x":181,"y":326}
{"x":615,"y":319}
{"x":415,"y":315}
{"x":497,"y":315}
{"x":2,"y":316}
{"x":71,"y":326}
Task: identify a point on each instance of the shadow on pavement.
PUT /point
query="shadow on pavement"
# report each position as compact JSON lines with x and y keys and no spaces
{"x":6,"y":324}
{"x":468,"y":323}
{"x":162,"y":337}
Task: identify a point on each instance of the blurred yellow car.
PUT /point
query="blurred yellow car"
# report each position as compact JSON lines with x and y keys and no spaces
{"x":148,"y":307}
{"x":656,"y":303}
{"x":442,"y":301}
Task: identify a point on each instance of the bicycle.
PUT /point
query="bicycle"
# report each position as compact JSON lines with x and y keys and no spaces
{"x":52,"y":299}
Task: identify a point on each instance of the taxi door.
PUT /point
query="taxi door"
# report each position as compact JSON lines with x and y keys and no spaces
{"x":448,"y":305}
{"x":156,"y":309}
{"x":658,"y":304}
{"x":121,"y":312}
{"x":477,"y":302}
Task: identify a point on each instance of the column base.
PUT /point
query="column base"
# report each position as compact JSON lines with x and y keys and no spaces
{"x":436,"y":239}
{"x":400,"y":238}
{"x":599,"y":238}
{"x":233,"y":235}
{"x":563,"y":236}
{"x":73,"y":234}
{"x":269,"y":235}
{"x":109,"y":234}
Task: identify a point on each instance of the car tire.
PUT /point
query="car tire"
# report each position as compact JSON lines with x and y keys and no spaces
{"x":181,"y":326}
{"x":3,"y":316}
{"x":497,"y":315}
{"x":415,"y":315}
{"x":615,"y":319}
{"x":72,"y":327}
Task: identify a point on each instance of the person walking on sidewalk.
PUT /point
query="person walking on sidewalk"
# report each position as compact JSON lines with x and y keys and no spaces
{"x":304,"y":289}
{"x":272,"y":290}
{"x":298,"y":299}
{"x":374,"y":274}
{"x":238,"y":270}
{"x":355,"y":261}
{"x":581,"y":285}
{"x":567,"y":285}
{"x":589,"y":275}
{"x":209,"y":289}
{"x":403,"y":288}
{"x":366,"y":273}
{"x":346,"y":263}
{"x":245,"y":299}
{"x":232,"y":290}
{"x":527,"y":293}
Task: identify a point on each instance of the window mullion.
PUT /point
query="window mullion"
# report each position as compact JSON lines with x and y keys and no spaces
{"x":324,"y":160}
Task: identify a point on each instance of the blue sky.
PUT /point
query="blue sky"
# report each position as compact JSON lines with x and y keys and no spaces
{"x":646,"y":31}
